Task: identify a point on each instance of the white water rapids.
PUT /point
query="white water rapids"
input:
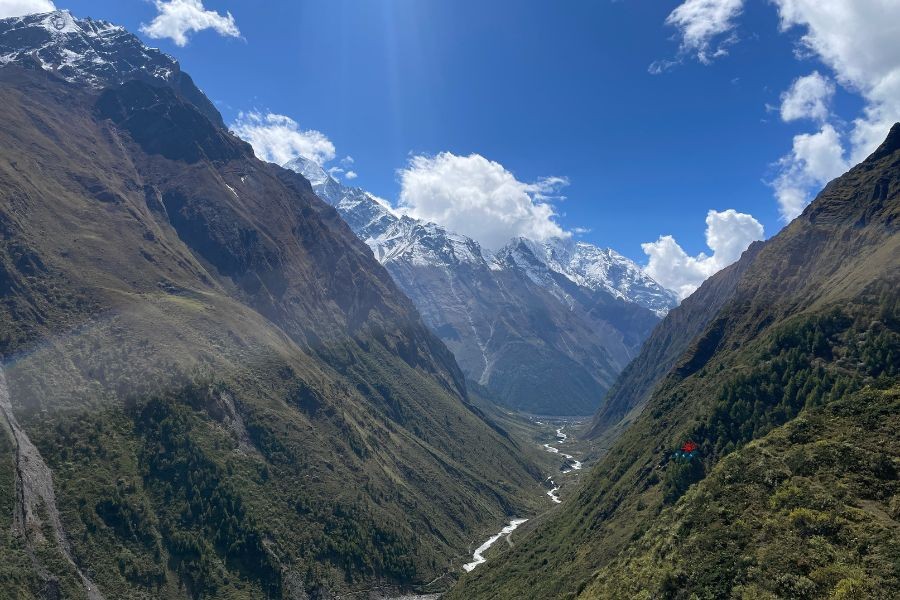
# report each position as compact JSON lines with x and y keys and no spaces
{"x":576,"y":464}
{"x":571,"y":465}
{"x":478,"y":556}
{"x":553,"y":492}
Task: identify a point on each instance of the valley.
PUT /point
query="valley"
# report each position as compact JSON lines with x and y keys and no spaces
{"x":787,"y":395}
{"x":227,"y":371}
{"x":539,"y":428}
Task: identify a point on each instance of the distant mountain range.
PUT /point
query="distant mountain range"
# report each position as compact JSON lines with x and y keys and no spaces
{"x":543,"y":327}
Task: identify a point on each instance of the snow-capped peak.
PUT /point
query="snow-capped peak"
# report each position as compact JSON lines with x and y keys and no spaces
{"x":393,"y":236}
{"x":589,"y":267}
{"x":310,"y":169}
{"x":95,"y":54}
{"x":60,"y":22}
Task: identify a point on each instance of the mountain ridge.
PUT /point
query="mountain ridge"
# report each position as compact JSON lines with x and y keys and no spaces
{"x":802,"y":351}
{"x":515,"y":318}
{"x":94,"y":53}
{"x":233,"y":397}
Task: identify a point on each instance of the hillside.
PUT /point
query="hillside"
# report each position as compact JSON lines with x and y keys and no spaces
{"x":804,"y":347}
{"x":209,"y":386}
{"x":545,"y":327}
{"x":665,"y":345}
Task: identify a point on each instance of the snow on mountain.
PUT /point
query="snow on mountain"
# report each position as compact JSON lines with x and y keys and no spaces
{"x":589,"y":267}
{"x":515,"y":317}
{"x":93,"y":53}
{"x":393,"y":236}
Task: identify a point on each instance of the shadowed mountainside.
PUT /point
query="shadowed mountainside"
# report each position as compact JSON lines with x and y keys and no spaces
{"x":231,"y":394}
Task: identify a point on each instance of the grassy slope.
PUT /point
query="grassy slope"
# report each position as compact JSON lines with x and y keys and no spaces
{"x":814,"y":317}
{"x":233,"y":398}
{"x":808,"y":511}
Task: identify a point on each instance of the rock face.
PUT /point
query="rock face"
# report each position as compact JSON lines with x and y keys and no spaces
{"x":230,"y":394}
{"x":95,"y":54}
{"x":783,"y":373}
{"x":542,"y":327}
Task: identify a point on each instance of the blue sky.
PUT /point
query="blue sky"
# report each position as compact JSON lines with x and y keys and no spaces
{"x":558,"y":89}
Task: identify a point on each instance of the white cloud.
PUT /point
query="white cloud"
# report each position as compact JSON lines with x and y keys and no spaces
{"x":820,"y":153}
{"x":808,"y":98}
{"x":350,"y":175}
{"x":18,"y":8}
{"x":279,"y":139}
{"x":728,"y":234}
{"x":860,"y":41}
{"x":479,"y":198}
{"x":815,"y":159}
{"x":178,"y":18}
{"x":701,"y":26}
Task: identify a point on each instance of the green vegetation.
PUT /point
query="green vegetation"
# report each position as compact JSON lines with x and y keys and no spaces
{"x":790,"y":391}
{"x":233,"y":398}
{"x":808,"y":511}
{"x":804,"y":370}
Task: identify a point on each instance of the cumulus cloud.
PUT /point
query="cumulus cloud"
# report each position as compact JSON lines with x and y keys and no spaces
{"x":279,"y":139}
{"x":728,"y":234}
{"x":479,"y":198}
{"x":18,"y":8}
{"x":350,"y":175}
{"x":860,"y":41}
{"x":178,"y":18}
{"x":808,"y":98}
{"x":705,"y":28}
{"x":815,"y":159}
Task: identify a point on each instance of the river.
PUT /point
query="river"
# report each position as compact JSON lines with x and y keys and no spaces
{"x":571,"y":465}
{"x":478,"y":557}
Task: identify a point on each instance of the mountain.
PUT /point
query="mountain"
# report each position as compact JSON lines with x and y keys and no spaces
{"x":789,"y":394}
{"x":209,"y":387}
{"x":96,"y":54}
{"x":591,"y":269}
{"x":666,"y":344}
{"x":542,"y":327}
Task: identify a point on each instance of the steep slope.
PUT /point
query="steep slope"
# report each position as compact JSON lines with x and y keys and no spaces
{"x":669,"y":341}
{"x":95,"y":54}
{"x":545,"y":328}
{"x":232,"y":396}
{"x":810,"y":510}
{"x":813,"y":318}
{"x":591,"y":269}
